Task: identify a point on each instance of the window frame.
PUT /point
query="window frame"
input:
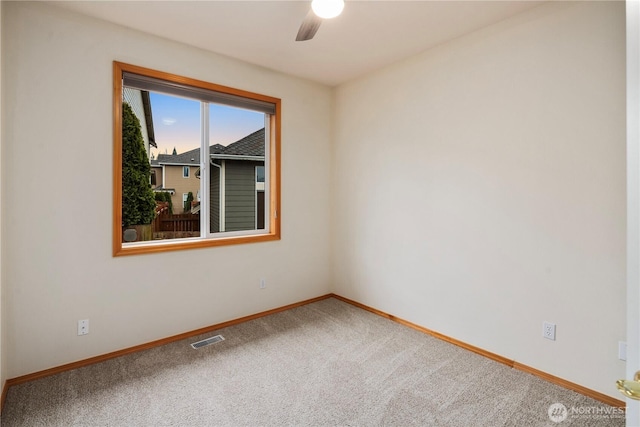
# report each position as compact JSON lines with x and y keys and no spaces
{"x":186,"y":169}
{"x":273,"y":204}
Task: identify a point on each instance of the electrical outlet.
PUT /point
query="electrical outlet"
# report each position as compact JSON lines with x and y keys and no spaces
{"x":263,"y":283}
{"x":622,"y":350}
{"x":83,"y":327}
{"x":549,"y":331}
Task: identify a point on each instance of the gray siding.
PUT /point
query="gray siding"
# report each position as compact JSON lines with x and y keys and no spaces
{"x":214,"y":197}
{"x":240,"y":190}
{"x":240,"y":196}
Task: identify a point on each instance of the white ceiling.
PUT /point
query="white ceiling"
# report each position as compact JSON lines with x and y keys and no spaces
{"x":367,"y":36}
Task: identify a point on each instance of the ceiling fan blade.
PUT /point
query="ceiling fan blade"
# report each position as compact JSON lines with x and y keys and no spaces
{"x":309,"y":27}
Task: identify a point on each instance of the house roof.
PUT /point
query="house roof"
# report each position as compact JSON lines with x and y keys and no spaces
{"x":251,"y":145}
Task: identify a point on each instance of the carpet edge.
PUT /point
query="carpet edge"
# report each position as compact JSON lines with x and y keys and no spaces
{"x":152,"y":344}
{"x":596,"y":395}
{"x":500,"y":359}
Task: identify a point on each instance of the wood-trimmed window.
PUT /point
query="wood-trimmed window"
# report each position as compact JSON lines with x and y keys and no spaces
{"x":145,"y":219}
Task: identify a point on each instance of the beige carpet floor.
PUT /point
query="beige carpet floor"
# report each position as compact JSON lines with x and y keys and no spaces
{"x":323,"y":364}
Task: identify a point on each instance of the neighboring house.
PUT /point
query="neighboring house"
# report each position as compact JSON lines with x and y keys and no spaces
{"x":236,"y":181}
{"x":177,"y":174}
{"x":157,"y":177}
{"x":141,"y":106}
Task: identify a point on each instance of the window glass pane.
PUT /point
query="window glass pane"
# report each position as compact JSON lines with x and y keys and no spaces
{"x":167,"y":207}
{"x":196,"y":164}
{"x":237,"y":147}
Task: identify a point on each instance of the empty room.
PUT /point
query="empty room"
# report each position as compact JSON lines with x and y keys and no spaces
{"x":411,"y":213}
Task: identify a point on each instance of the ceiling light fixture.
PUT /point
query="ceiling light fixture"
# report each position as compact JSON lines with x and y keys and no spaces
{"x":327,"y":9}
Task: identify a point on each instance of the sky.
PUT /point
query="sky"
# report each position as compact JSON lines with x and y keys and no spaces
{"x":176,"y":123}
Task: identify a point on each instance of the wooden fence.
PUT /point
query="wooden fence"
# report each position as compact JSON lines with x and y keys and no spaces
{"x":166,"y":222}
{"x":181,"y":222}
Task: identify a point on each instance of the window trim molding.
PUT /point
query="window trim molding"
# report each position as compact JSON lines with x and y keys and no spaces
{"x":274,"y":167}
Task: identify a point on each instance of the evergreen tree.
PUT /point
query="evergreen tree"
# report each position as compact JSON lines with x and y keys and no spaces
{"x":187,"y":203}
{"x":138,"y":204}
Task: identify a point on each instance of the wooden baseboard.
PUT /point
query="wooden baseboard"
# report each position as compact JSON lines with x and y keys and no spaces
{"x":512,"y":363}
{"x":5,"y":389}
{"x":152,"y":344}
{"x":571,"y":386}
{"x":438,"y":335}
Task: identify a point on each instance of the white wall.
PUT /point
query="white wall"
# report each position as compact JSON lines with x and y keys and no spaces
{"x":633,"y":201}
{"x":57,"y":201}
{"x":480,"y":189}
